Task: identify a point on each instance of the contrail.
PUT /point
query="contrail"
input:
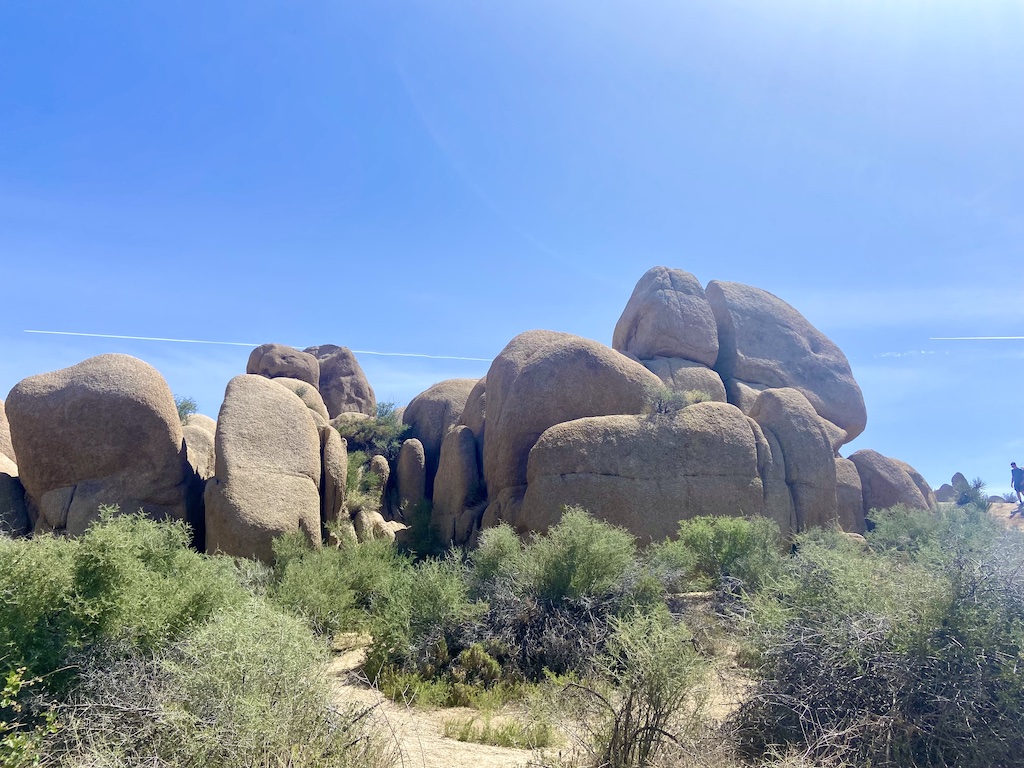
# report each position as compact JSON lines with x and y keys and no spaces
{"x":976,"y":338}
{"x":251,"y":344}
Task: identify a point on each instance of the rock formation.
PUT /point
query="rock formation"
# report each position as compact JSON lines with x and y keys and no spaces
{"x":343,"y":384}
{"x":274,"y":360}
{"x":886,"y":483}
{"x":431,"y":415}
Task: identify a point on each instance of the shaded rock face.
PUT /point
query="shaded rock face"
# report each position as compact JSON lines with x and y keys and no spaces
{"x":104,"y":431}
{"x":411,"y":475}
{"x":810,"y":467}
{"x":6,"y":446}
{"x":14,"y":515}
{"x":432,"y":414}
{"x":333,"y":475}
{"x":543,"y":378}
{"x":945,"y":493}
{"x":885,"y":482}
{"x":849,"y":497}
{"x":274,"y":360}
{"x":645,"y":473}
{"x":668,"y":315}
{"x":343,"y":384}
{"x":765,"y":343}
{"x":267,"y":480}
{"x":458,"y":490}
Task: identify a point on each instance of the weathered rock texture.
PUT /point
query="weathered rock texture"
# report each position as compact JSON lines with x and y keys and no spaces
{"x":104,"y":431}
{"x":274,"y":360}
{"x":684,"y":375}
{"x":308,"y":394}
{"x":333,"y":475}
{"x":765,"y":343}
{"x":849,"y":497}
{"x":6,"y":446}
{"x":431,"y":415}
{"x":458,"y":490}
{"x":668,"y":315}
{"x":267,"y":481}
{"x":204,"y":422}
{"x":543,"y":378}
{"x":645,"y":473}
{"x":810,"y":467}
{"x":342,"y":382}
{"x":885,"y":483}
{"x":411,"y":475}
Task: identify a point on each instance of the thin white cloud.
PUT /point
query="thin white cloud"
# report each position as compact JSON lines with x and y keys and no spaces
{"x":251,"y":344}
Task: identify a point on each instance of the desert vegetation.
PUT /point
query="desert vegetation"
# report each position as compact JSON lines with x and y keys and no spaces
{"x":900,"y":648}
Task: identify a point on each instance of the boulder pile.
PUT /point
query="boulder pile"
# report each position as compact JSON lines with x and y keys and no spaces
{"x":718,"y":400}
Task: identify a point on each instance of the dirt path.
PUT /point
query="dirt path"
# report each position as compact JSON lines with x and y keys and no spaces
{"x":419,"y":731}
{"x":1001,"y":512}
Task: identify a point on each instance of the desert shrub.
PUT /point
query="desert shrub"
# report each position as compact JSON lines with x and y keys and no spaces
{"x":380,"y":434}
{"x":973,"y":494}
{"x":665,"y":401}
{"x":22,"y":733}
{"x":422,"y":539}
{"x":335,"y":589}
{"x":498,"y":556}
{"x":881,"y":658}
{"x":187,"y":407}
{"x":936,"y":535}
{"x":129,"y":580}
{"x":654,"y":674}
{"x":709,"y":549}
{"x":248,"y":688}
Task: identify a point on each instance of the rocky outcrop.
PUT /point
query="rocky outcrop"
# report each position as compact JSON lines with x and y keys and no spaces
{"x":668,"y":315}
{"x":343,"y":384}
{"x":922,"y":485}
{"x":411,"y":475}
{"x":199,"y":451}
{"x":685,"y":376}
{"x":885,"y":483}
{"x":543,"y":378}
{"x":810,"y":467}
{"x":105,"y":431}
{"x":645,"y":473}
{"x":458,"y":490}
{"x":203,"y":422}
{"x":765,"y":343}
{"x":431,"y":415}
{"x":849,"y":497}
{"x":278,"y":360}
{"x":267,"y":479}
{"x":333,"y":475}
{"x":308,"y":395}
{"x":6,"y":446}
{"x":945,"y":493}
{"x":474,"y":413}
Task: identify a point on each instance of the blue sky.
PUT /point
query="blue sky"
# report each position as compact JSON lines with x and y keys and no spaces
{"x":436,"y":177}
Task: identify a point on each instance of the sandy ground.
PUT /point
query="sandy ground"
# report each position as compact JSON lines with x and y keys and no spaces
{"x":419,"y":731}
{"x":1001,"y":512}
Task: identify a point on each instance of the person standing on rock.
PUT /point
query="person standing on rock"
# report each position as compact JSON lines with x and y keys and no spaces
{"x":1017,"y":478}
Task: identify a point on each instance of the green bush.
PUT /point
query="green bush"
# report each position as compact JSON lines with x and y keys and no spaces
{"x":498,"y":556}
{"x":187,"y":407}
{"x":710,"y":549}
{"x":128,"y":581}
{"x":380,"y":434}
{"x":925,"y":534}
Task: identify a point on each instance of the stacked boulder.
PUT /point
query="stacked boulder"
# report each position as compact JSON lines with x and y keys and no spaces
{"x":561,"y":421}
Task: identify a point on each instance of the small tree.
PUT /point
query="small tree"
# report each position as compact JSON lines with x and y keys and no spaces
{"x":187,"y":408}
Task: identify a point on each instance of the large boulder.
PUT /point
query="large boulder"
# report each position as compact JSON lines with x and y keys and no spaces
{"x":6,"y":446}
{"x":458,"y":488}
{"x":343,"y":384}
{"x":945,"y":493}
{"x":849,"y":497}
{"x":14,"y":515}
{"x":543,"y":378}
{"x":681,"y":375}
{"x":308,"y":395}
{"x":810,"y":464}
{"x":922,"y":485}
{"x":105,"y":431}
{"x":668,"y":315}
{"x":268,"y":470}
{"x":333,"y":476}
{"x":431,"y":415}
{"x":645,"y":473}
{"x":202,"y":421}
{"x":411,"y":475}
{"x":885,"y":483}
{"x":474,"y":413}
{"x":274,"y":360}
{"x":765,"y":343}
{"x":200,"y":451}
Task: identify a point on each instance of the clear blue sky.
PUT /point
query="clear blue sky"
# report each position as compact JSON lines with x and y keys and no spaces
{"x":436,"y":177}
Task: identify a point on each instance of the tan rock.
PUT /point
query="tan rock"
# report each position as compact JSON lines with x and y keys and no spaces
{"x":922,"y":485}
{"x":474,"y":414}
{"x":543,"y":378}
{"x":771,"y":466}
{"x":380,"y":467}
{"x":959,"y":482}
{"x":343,"y":384}
{"x":267,"y":479}
{"x":104,"y":431}
{"x":945,"y":493}
{"x":457,"y":487}
{"x":411,"y":475}
{"x":204,"y":422}
{"x":809,"y":459}
{"x":333,"y":475}
{"x":668,"y":315}
{"x":307,"y":394}
{"x":766,"y":343}
{"x":371,"y":525}
{"x":645,"y":473}
{"x":685,"y":376}
{"x":849,"y":497}
{"x":279,"y":360}
{"x":6,"y":446}
{"x":885,"y":483}
{"x":200,"y":451}
{"x":432,"y":414}
{"x":343,"y":420}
